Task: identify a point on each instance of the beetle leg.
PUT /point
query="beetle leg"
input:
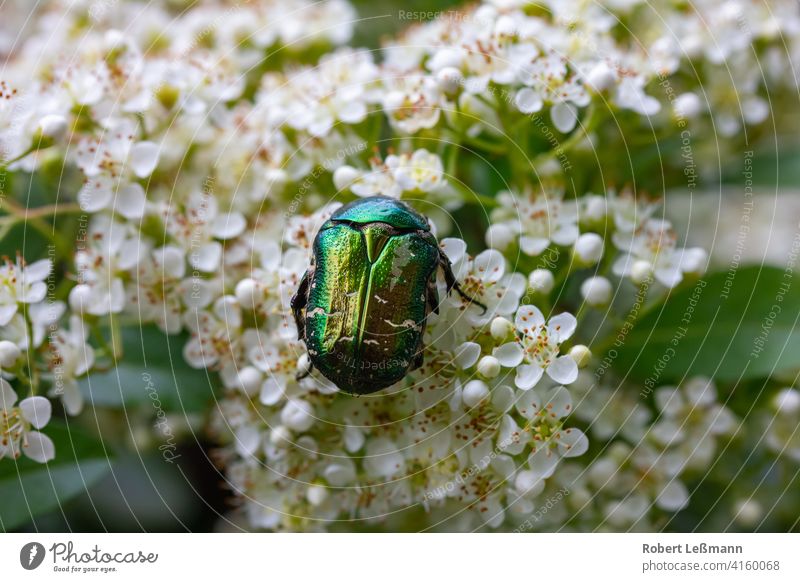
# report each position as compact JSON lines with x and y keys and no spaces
{"x":450,"y":279}
{"x":299,"y":302}
{"x":433,"y":296}
{"x":419,"y":359}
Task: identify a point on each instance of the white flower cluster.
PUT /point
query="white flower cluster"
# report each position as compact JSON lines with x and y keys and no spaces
{"x":209,"y":155}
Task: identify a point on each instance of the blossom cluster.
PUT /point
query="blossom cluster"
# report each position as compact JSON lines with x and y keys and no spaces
{"x":210,"y":151}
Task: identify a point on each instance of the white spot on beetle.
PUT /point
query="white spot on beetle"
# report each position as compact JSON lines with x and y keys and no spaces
{"x":408,"y":323}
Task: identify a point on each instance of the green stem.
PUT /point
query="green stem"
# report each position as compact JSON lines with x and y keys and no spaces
{"x":33,"y":373}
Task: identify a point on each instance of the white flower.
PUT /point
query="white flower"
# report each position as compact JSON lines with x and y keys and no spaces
{"x":108,"y":162}
{"x":70,"y":357}
{"x":655,"y":243}
{"x":411,"y":102}
{"x":538,"y":220}
{"x":17,"y":423}
{"x":538,"y":347}
{"x":422,"y":171}
{"x":691,"y":420}
{"x":589,"y":249}
{"x":111,"y":249}
{"x":483,"y":279}
{"x":20,"y":283}
{"x":158,"y":292}
{"x":549,"y":440}
{"x":201,"y":227}
{"x":214,"y":334}
{"x":629,"y":211}
{"x":337,"y":90}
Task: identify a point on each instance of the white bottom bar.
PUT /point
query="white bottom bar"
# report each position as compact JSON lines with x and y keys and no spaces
{"x":375,"y":558}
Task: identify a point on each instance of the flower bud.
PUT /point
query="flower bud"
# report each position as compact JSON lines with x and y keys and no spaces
{"x":80,"y":298}
{"x":589,"y":248}
{"x":581,"y":354}
{"x":317,"y":494}
{"x":687,"y":105}
{"x":474,"y":392}
{"x":449,"y":80}
{"x":541,"y":281}
{"x":249,"y":380}
{"x":787,"y":401}
{"x":596,"y":291}
{"x":499,"y":237}
{"x":248,"y":294}
{"x":501,"y":329}
{"x":748,"y":512}
{"x":641,"y":271}
{"x":601,"y":77}
{"x":280,"y":436}
{"x":489,"y":367}
{"x":298,"y":415}
{"x":344,"y":176}
{"x":594,"y":209}
{"x":9,"y":354}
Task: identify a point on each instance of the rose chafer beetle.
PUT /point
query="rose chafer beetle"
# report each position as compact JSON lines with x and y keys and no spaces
{"x":361,"y":307}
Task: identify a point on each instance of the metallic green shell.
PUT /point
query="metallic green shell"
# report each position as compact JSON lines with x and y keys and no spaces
{"x":381,"y":209}
{"x":367,"y":301}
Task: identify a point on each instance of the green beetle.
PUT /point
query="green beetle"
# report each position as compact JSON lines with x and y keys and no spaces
{"x":362,"y":306}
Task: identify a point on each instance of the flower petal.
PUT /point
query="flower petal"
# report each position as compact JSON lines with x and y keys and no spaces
{"x":39,"y":447}
{"x":564,"y":117}
{"x":130,"y":201}
{"x":144,"y":158}
{"x":558,"y":402}
{"x":271,"y":392}
{"x":509,"y":355}
{"x":528,"y":101}
{"x":247,"y":440}
{"x":36,"y":410}
{"x":533,"y":246}
{"x":562,"y":326}
{"x":529,"y":404}
{"x":572,"y":443}
{"x":353,"y":439}
{"x":7,"y":395}
{"x":454,"y":248}
{"x":528,"y":376}
{"x":490,"y":265}
{"x":563,"y":370}
{"x":228,"y":226}
{"x":543,"y":461}
{"x":528,"y":318}
{"x":467,"y":354}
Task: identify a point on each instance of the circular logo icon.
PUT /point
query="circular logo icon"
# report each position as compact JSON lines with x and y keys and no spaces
{"x":31,"y":555}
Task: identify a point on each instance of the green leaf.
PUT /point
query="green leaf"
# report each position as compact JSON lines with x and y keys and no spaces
{"x":732,"y":325}
{"x":151,"y":370}
{"x":28,"y":488}
{"x":770,"y":167}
